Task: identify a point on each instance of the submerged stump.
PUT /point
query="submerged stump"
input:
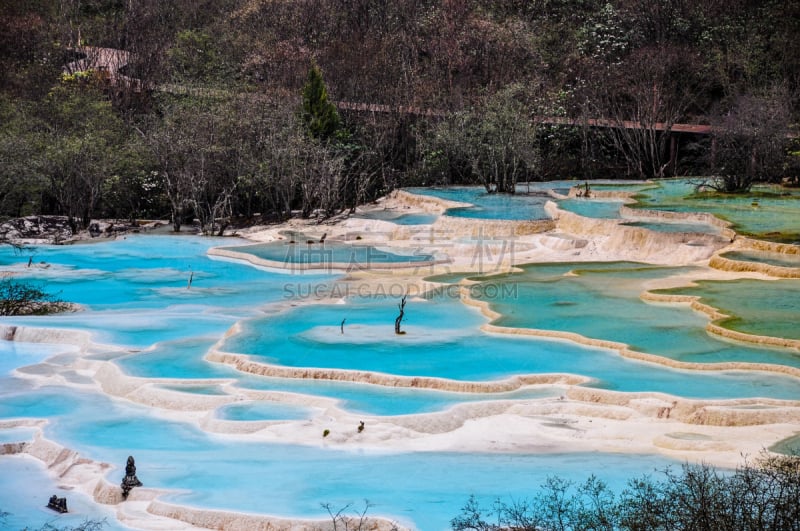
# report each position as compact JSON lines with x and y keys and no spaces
{"x":57,"y":504}
{"x":401,"y":306}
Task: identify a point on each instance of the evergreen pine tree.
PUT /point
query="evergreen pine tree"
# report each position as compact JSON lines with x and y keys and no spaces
{"x":319,"y":114}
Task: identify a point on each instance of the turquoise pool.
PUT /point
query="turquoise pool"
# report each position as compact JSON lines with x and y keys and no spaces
{"x":422,"y":489}
{"x":592,"y":208}
{"x":549,"y":298}
{"x":756,"y":307}
{"x":399,"y":218}
{"x":136,"y":297}
{"x":765,"y":257}
{"x":768,"y":212}
{"x":489,"y":206}
{"x":675,"y":227}
{"x":252,"y":411}
{"x":308,"y":337}
{"x":327,"y":255}
{"x":425,"y":488}
{"x":26,"y":501}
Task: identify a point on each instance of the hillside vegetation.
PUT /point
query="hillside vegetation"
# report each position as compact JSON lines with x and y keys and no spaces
{"x":249,"y":110}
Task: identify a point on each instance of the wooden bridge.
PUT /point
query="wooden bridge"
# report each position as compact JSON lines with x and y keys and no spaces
{"x":698,"y":129}
{"x":108,"y":63}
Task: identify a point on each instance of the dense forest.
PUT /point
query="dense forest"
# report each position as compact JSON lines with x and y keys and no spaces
{"x":236,"y":111}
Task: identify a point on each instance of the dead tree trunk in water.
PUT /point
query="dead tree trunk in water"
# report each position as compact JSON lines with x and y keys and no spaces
{"x":399,"y":319}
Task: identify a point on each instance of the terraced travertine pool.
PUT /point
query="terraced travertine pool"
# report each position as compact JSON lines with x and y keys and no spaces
{"x":454,"y":348}
{"x":611,"y":209}
{"x":755,"y":307}
{"x":768,"y":212}
{"x":328,"y":255}
{"x":488,"y":206}
{"x":148,"y":321}
{"x":593,"y":208}
{"x":689,"y":228}
{"x":398,"y":217}
{"x":527,"y":203}
{"x":765,"y":257}
{"x":173,"y":336}
{"x":575,"y":298}
{"x":210,"y":471}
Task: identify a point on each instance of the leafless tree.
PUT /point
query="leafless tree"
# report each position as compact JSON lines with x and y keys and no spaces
{"x":399,"y":320}
{"x":642,"y":98}
{"x":750,"y":141}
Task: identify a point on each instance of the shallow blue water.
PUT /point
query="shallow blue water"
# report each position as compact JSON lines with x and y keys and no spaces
{"x":15,"y":354}
{"x":529,"y":200}
{"x":25,"y":501}
{"x":142,"y":301}
{"x":398,"y":217}
{"x":328,"y":254}
{"x":772,"y":217}
{"x":675,"y":227}
{"x":389,"y":401}
{"x":145,"y":272}
{"x":427,"y":489}
{"x":264,"y":411}
{"x":547,"y":298}
{"x":756,"y":307}
{"x":138,"y":291}
{"x":765,"y":257}
{"x":182,"y":358}
{"x":489,"y":206}
{"x":592,"y":208}
{"x":455,"y":349}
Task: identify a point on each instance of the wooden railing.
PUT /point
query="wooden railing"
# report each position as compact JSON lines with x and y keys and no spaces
{"x":109,"y":61}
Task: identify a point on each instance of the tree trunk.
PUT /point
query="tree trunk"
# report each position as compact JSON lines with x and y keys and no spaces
{"x":399,"y":319}
{"x":177,"y":215}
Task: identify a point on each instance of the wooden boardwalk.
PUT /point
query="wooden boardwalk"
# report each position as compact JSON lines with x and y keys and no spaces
{"x":108,"y":62}
{"x":699,"y":129}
